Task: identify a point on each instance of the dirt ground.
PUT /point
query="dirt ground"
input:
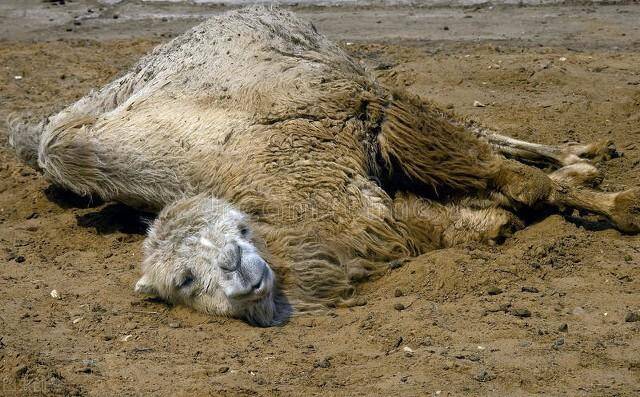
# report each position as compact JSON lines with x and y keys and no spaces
{"x":548,"y":74}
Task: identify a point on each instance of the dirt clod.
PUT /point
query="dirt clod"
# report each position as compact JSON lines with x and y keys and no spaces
{"x":632,"y":317}
{"x":484,"y":376}
{"x":521,"y":312}
{"x":558,"y":343}
{"x":324,"y":363}
{"x":494,"y":291}
{"x":20,"y":371}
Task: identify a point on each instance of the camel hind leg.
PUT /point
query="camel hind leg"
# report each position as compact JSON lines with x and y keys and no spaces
{"x":530,"y":187}
{"x":420,"y":148}
{"x":422,"y":152}
{"x":559,"y":155}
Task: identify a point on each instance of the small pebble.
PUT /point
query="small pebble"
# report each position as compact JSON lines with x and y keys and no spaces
{"x":19,"y":259}
{"x":174,"y":325}
{"x":398,"y":293}
{"x":408,"y":352}
{"x":473,"y":357}
{"x":399,"y":306}
{"x":484,"y":376}
{"x":533,"y":290}
{"x":563,"y":327}
{"x":557,"y":343}
{"x":632,"y":317}
{"x":223,"y":369}
{"x":521,"y":312}
{"x":21,"y":371}
{"x":55,"y":294}
{"x":494,"y":291}
{"x":478,"y":104}
{"x":324,"y":363}
{"x":426,"y":342}
{"x":360,"y":301}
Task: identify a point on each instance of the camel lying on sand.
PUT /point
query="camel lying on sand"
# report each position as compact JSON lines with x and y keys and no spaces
{"x":283,"y":173}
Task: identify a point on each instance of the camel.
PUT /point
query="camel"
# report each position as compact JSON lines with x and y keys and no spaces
{"x":284,"y":174}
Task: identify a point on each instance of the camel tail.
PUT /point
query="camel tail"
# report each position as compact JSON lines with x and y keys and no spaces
{"x":24,"y":138}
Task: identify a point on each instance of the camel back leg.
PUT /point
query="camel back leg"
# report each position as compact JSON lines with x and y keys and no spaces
{"x":421,"y":151}
{"x":527,"y":186}
{"x":558,"y":155}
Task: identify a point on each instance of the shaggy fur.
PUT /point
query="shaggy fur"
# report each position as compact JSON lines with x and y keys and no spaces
{"x":254,"y":117}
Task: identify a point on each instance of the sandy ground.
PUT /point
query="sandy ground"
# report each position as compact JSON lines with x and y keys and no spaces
{"x":548,"y":74}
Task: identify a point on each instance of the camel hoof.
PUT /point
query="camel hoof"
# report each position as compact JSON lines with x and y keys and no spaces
{"x":626,"y":211}
{"x":597,"y":151}
{"x":578,"y":174}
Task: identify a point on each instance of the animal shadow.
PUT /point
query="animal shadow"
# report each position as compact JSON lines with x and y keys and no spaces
{"x":593,"y":225}
{"x":67,"y":199}
{"x":116,"y":218}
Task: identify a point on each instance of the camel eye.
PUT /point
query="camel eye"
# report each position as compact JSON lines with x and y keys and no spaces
{"x":244,"y":231}
{"x":187,"y":281}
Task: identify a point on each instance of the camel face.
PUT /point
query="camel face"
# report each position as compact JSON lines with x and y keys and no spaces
{"x":200,"y":252}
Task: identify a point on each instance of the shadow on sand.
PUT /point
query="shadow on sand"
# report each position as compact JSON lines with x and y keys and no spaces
{"x":107,"y":219}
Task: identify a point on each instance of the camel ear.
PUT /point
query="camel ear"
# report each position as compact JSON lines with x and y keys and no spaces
{"x":144,"y":286}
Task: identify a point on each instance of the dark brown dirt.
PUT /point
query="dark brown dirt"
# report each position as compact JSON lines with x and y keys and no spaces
{"x":544,"y":313}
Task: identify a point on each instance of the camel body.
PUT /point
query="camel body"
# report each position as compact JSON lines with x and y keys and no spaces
{"x":264,"y":145}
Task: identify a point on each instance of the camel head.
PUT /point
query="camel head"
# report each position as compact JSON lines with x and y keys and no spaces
{"x":200,"y":252}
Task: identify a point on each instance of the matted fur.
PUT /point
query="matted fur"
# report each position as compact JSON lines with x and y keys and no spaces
{"x":420,"y":147}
